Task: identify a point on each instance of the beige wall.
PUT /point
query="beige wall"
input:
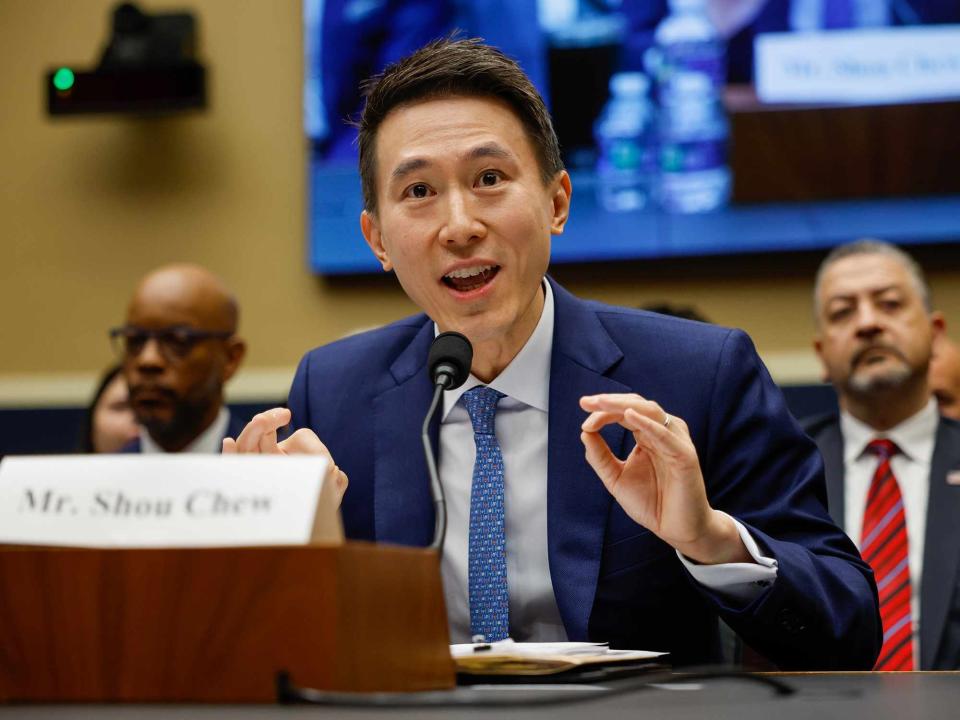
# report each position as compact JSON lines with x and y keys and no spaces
{"x":87,"y":205}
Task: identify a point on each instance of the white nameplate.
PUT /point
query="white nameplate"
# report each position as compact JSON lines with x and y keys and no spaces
{"x":888,"y":65}
{"x":159,"y":500}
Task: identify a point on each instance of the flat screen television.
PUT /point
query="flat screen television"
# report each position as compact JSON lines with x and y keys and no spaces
{"x":571,"y":49}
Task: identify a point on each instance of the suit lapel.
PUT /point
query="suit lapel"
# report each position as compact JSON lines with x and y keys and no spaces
{"x":830,"y":442}
{"x":578,"y":504}
{"x":941,"y":552}
{"x":403,"y":512}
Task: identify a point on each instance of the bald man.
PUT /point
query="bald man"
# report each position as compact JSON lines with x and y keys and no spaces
{"x":944,"y":376}
{"x":178,"y":348}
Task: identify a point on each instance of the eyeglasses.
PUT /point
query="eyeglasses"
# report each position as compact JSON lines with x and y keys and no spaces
{"x":175,"y":342}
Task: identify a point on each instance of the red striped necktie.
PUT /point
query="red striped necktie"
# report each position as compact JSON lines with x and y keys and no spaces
{"x":884,"y":546}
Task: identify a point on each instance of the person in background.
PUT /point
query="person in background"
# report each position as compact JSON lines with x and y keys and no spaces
{"x":945,"y":376}
{"x":109,"y":423}
{"x":178,"y":349}
{"x":889,"y":455}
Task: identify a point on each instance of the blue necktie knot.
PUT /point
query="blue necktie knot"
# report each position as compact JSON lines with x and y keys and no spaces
{"x":481,"y":403}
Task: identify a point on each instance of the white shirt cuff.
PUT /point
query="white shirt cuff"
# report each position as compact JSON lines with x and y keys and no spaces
{"x":740,"y":582}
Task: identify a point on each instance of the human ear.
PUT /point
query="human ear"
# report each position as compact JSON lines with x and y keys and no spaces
{"x":818,"y":349}
{"x":938,"y":323}
{"x":373,"y":236}
{"x":236,"y":351}
{"x":560,"y":191}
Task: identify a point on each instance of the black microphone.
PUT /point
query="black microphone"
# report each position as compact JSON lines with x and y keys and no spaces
{"x":448,"y":363}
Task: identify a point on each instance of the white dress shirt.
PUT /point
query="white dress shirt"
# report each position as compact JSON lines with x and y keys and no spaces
{"x":210,"y":441}
{"x":521,"y":428}
{"x":915,"y":437}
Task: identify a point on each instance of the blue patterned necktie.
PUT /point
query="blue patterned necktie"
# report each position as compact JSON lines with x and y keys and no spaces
{"x":489,"y":599}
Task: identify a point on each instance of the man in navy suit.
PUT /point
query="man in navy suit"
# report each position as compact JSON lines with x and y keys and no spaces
{"x":178,"y":348}
{"x":611,"y":474}
{"x":875,"y":331}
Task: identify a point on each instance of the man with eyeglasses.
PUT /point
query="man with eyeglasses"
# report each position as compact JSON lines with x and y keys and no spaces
{"x":178,"y":349}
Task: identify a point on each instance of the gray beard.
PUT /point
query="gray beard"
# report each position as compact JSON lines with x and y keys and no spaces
{"x":863,"y":384}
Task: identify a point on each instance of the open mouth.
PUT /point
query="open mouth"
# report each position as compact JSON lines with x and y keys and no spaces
{"x":471,"y":278}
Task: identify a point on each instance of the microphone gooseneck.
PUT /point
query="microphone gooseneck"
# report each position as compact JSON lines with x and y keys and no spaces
{"x":448,"y":363}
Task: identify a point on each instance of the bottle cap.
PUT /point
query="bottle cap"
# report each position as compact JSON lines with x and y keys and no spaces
{"x":676,"y":5}
{"x":629,"y":83}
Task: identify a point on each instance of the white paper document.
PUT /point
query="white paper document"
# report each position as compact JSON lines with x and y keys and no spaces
{"x":159,"y":500}
{"x":545,"y":650}
{"x":507,"y":657}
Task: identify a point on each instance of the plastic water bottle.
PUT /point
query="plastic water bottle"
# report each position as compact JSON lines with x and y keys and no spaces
{"x":624,"y":134}
{"x":693,"y":133}
{"x":689,"y":62}
{"x":686,"y":41}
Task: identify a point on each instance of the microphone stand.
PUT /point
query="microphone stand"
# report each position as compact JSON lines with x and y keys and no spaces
{"x":436,"y":489}
{"x":448,"y":363}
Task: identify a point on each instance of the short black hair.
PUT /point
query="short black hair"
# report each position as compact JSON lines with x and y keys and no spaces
{"x":446,"y":68}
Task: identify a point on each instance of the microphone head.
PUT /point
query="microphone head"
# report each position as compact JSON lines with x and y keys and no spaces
{"x":448,"y":363}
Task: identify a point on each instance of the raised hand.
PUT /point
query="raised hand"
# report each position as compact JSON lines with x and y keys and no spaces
{"x":660,"y":484}
{"x":260,"y":437}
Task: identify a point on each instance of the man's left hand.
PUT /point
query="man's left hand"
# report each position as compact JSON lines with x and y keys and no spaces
{"x":660,"y":484}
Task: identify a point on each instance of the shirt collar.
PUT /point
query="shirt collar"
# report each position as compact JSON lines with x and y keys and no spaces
{"x":209,"y":441}
{"x":527,"y":377}
{"x":915,"y":436}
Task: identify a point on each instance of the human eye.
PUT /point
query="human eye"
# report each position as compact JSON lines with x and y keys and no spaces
{"x":418,"y":191}
{"x":839,"y":313}
{"x":489,"y":178}
{"x":890,"y":303}
{"x":134,"y":340}
{"x":179,"y":340}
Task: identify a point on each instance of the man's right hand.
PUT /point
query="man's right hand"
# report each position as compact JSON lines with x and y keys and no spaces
{"x":260,"y":437}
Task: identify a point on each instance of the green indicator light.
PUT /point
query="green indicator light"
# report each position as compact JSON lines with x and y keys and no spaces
{"x":63,"y":79}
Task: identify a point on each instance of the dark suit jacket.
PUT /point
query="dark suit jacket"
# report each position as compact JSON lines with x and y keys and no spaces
{"x":234,"y":428}
{"x":940,"y":585}
{"x":613,"y":579}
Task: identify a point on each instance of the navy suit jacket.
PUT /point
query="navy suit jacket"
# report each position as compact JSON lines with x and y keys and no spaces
{"x":614,"y":580}
{"x":234,"y":428}
{"x":940,"y":585}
